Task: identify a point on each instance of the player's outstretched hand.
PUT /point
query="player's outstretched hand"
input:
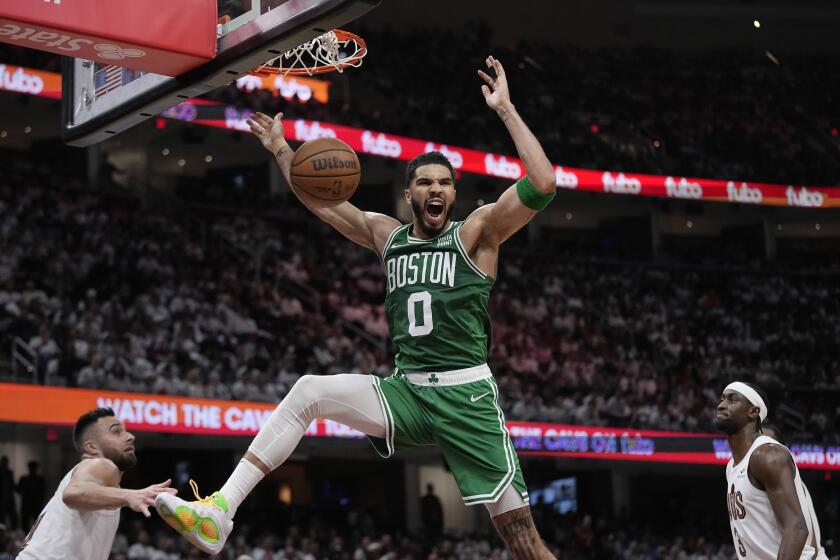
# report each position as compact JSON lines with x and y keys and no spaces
{"x":495,"y":91}
{"x":268,"y":130}
{"x":140,"y":500}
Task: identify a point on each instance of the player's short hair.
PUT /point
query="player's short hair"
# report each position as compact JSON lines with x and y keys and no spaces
{"x":429,"y":158}
{"x":766,"y":403}
{"x":85,"y":421}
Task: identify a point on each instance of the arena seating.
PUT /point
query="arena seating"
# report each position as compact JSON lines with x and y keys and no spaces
{"x":114,"y":296}
{"x":725,"y":115}
{"x":225,"y":294}
{"x":348,"y":533}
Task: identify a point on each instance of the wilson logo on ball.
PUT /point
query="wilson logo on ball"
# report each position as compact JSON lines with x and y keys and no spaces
{"x":320,"y":164}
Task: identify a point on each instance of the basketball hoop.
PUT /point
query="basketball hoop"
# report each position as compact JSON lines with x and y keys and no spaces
{"x":332,"y":51}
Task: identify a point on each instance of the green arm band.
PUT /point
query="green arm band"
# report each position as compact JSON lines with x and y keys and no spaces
{"x":530,"y":196}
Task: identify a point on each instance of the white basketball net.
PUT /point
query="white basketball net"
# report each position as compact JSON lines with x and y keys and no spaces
{"x":319,"y":54}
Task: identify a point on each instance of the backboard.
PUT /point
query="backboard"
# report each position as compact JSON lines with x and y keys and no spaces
{"x":99,"y":101}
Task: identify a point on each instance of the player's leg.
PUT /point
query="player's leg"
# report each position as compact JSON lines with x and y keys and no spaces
{"x":352,"y":400}
{"x":511,"y":516}
{"x":349,"y":399}
{"x":470,"y":429}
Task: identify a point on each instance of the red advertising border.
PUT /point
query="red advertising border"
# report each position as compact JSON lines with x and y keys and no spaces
{"x":568,"y":178}
{"x":696,"y":458}
{"x":496,"y":165}
{"x":35,"y":404}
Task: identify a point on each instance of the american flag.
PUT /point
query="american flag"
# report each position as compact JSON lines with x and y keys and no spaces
{"x":107,"y":79}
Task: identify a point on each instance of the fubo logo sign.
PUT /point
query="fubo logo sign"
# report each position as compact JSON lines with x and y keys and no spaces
{"x":20,"y":81}
{"x":379,"y":144}
{"x":565,"y":179}
{"x":743,"y":193}
{"x":620,"y":184}
{"x":682,"y":188}
{"x":804,"y":197}
{"x":501,"y":167}
{"x":454,"y":157}
{"x":305,"y":131}
{"x":290,"y":88}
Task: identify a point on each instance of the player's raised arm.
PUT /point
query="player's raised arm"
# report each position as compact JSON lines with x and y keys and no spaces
{"x":94,"y":485}
{"x":773,"y":467}
{"x":518,"y":204}
{"x":368,"y":229}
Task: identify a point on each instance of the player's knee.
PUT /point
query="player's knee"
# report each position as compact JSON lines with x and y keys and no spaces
{"x":510,"y":500}
{"x":308,"y":388}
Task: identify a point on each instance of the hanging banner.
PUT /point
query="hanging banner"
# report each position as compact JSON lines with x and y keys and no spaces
{"x":495,"y":165}
{"x":218,"y":115}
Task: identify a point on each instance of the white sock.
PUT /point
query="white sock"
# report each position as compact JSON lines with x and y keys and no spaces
{"x":244,"y":478}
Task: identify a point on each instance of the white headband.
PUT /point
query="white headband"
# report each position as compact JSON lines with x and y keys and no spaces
{"x":751,"y":395}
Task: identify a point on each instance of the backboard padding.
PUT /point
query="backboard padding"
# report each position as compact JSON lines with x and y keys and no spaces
{"x":87,"y":119}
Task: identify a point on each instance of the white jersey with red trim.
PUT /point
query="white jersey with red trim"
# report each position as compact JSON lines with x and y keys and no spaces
{"x":755,"y":530}
{"x":63,"y":533}
{"x":811,"y":515}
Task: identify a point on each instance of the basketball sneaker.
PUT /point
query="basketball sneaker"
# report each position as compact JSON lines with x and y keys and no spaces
{"x":202,"y":522}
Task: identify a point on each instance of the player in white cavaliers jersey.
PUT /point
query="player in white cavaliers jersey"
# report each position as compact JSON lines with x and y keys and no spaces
{"x":81,"y":519}
{"x":772,"y":431}
{"x":765,"y":495}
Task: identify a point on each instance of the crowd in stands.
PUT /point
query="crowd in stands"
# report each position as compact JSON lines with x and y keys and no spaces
{"x":731,"y":115}
{"x":359,"y":537}
{"x":673,"y":528}
{"x":113,"y":296}
{"x":721,"y":114}
{"x":663,"y":340}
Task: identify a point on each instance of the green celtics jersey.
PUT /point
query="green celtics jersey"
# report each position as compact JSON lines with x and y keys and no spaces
{"x":436,"y":302}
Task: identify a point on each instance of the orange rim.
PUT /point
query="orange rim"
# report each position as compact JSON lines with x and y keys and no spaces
{"x":341,"y":36}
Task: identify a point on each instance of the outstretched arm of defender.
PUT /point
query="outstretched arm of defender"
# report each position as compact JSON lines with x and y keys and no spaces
{"x":368,"y":229}
{"x":519,"y":203}
{"x":773,"y":467}
{"x":94,"y":485}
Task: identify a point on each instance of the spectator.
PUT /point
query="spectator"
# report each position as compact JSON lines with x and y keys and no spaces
{"x":577,"y":340}
{"x":31,"y":490}
{"x":8,"y":509}
{"x":431,"y":512}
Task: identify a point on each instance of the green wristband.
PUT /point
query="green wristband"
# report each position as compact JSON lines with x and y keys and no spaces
{"x":530,"y":196}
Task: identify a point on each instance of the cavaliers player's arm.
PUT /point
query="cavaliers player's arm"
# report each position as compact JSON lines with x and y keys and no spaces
{"x":772,"y":466}
{"x":492,"y":224}
{"x":368,"y":229}
{"x":95,"y":485}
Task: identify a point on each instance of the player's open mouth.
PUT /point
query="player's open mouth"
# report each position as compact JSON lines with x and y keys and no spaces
{"x":434,"y":209}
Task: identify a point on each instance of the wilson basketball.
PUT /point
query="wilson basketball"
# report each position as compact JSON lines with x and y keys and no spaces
{"x":326,"y":171}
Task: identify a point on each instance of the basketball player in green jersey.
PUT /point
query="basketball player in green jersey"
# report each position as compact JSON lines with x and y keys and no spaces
{"x":439,"y":274}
